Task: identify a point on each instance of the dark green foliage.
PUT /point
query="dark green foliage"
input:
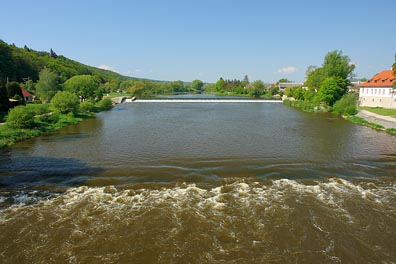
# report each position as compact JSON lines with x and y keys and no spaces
{"x":7,"y":64}
{"x":13,"y":89}
{"x":106,"y":104}
{"x":20,"y":117}
{"x":4,"y":103}
{"x":65,"y":102}
{"x":16,"y":64}
{"x":346,"y":105}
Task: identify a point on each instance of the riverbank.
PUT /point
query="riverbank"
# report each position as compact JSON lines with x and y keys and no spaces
{"x":44,"y":123}
{"x":373,"y":120}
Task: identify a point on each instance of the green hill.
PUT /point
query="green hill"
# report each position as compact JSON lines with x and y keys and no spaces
{"x":20,"y":64}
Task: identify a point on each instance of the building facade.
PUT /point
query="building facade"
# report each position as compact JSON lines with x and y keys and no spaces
{"x":379,"y":91}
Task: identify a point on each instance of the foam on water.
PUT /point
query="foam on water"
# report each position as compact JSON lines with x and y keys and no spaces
{"x":238,"y":221}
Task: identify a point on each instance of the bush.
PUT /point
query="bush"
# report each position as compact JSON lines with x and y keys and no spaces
{"x":39,"y":109}
{"x":66,"y":102}
{"x":346,"y":105}
{"x":21,"y":117}
{"x":87,"y":106}
{"x":105,"y":104}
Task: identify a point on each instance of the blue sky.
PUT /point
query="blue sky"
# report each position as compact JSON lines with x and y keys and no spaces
{"x":208,"y":39}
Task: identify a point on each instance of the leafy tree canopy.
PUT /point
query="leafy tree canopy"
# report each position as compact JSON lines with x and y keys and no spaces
{"x":66,"y":102}
{"x":48,"y":85}
{"x":197,"y":85}
{"x":85,"y":86}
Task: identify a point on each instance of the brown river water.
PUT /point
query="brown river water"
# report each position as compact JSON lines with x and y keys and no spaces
{"x":201,"y":183}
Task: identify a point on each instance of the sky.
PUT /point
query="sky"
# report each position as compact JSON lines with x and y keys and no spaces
{"x":206,"y":39}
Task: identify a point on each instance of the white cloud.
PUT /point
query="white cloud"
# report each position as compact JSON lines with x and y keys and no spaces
{"x":106,"y":67}
{"x":288,"y":70}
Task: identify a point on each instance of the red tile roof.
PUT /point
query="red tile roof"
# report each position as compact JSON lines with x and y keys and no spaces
{"x":382,"y":79}
{"x":26,"y":93}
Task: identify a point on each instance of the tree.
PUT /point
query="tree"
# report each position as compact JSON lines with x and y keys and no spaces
{"x":137,"y":89}
{"x":331,"y":90}
{"x":20,"y":117}
{"x":4,"y":102}
{"x":315,"y":78}
{"x":47,"y":85}
{"x":337,"y":65}
{"x":244,"y":82}
{"x":66,"y":102}
{"x":106,"y":104}
{"x":84,"y":86}
{"x":220,"y":85}
{"x":257,"y":88}
{"x":197,"y":85}
{"x":284,"y":80}
{"x":14,"y":90}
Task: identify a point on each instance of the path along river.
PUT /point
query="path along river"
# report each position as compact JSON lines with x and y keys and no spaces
{"x":201,"y":183}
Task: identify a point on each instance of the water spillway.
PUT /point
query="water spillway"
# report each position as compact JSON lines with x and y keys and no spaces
{"x":170,"y":100}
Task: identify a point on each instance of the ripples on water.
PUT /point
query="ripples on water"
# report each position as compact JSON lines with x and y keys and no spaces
{"x":200,"y":184}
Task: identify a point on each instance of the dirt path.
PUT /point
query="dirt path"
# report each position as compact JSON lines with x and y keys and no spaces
{"x":385,"y":121}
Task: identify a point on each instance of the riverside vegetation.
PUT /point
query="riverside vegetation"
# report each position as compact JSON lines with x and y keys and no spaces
{"x":326,"y":87}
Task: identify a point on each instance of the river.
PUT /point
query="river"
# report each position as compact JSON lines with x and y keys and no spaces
{"x":201,"y":183}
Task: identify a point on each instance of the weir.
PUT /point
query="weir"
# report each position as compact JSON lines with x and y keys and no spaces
{"x":170,"y":100}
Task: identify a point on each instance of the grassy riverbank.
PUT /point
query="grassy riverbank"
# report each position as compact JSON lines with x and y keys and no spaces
{"x":364,"y":122}
{"x":45,"y":120}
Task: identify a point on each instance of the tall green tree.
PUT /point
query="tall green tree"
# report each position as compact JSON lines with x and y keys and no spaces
{"x":220,"y":85}
{"x":337,"y":65}
{"x":85,"y":86}
{"x":197,"y":85}
{"x":137,"y":89}
{"x":47,"y":85}
{"x":257,"y":88}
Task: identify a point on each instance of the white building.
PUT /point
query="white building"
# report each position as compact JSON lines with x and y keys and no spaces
{"x":379,"y":91}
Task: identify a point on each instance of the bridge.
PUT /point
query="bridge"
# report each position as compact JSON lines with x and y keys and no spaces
{"x":170,"y":100}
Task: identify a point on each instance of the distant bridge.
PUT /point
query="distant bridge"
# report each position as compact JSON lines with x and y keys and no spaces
{"x":170,"y":100}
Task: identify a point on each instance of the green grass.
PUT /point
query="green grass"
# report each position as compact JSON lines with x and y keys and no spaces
{"x":9,"y":136}
{"x":380,"y":110}
{"x":364,"y":122}
{"x":114,"y":94}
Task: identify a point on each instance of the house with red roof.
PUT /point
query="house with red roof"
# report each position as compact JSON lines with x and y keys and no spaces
{"x":379,"y":91}
{"x":26,"y":95}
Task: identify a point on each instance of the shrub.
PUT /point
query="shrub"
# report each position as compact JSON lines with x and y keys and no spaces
{"x":105,"y":104}
{"x":21,"y":117}
{"x":66,"y":102}
{"x":346,"y":105}
{"x":39,"y":109}
{"x":87,"y":106}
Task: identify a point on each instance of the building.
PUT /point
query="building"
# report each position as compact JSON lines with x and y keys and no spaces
{"x":284,"y":85}
{"x":379,"y":91}
{"x":26,"y":95}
